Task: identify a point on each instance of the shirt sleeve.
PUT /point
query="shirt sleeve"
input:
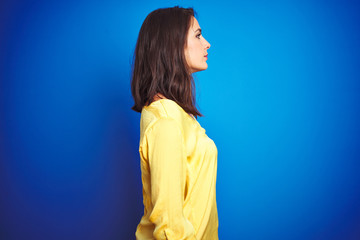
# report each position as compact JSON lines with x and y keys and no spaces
{"x":167,"y":161}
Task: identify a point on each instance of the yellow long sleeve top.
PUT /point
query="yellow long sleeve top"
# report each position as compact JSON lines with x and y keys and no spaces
{"x":178,"y":171}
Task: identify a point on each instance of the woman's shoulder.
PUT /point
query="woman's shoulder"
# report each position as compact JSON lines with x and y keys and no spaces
{"x":163,"y":108}
{"x":160,"y":109}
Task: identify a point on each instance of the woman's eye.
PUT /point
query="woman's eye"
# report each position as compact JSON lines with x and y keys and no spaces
{"x":198,"y":36}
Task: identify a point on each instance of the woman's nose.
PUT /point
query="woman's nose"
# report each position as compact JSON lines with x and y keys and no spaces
{"x":207,"y":44}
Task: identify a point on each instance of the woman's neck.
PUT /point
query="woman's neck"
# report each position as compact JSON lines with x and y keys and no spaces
{"x":158,"y":96}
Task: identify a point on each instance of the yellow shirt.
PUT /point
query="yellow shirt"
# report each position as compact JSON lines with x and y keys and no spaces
{"x":178,"y":172}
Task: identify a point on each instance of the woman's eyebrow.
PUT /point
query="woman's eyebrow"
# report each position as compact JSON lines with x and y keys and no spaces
{"x":199,"y":29}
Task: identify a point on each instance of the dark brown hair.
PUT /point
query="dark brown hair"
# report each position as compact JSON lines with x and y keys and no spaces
{"x":159,"y":64}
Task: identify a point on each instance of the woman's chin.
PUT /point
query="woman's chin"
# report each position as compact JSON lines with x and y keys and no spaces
{"x":200,"y":69}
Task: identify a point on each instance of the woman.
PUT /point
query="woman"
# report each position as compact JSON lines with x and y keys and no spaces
{"x":178,"y":160}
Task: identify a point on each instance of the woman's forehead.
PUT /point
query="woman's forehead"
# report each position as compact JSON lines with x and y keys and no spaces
{"x":195,"y":24}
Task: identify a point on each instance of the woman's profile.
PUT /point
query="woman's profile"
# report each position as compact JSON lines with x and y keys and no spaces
{"x":178,"y":160}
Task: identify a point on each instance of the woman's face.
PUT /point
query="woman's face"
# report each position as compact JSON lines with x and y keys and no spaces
{"x":196,"y":48}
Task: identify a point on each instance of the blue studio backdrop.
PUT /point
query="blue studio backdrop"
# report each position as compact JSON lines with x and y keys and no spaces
{"x":280,"y":99}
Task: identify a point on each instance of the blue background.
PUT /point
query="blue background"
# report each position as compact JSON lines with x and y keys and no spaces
{"x":280,"y":99}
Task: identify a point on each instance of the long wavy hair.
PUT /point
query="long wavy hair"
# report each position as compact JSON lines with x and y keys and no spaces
{"x":159,"y":63}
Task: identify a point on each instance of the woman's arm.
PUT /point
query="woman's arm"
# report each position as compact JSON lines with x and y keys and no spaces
{"x":167,"y":161}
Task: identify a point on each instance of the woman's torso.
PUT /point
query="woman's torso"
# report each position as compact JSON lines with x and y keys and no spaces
{"x":201,"y":169}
